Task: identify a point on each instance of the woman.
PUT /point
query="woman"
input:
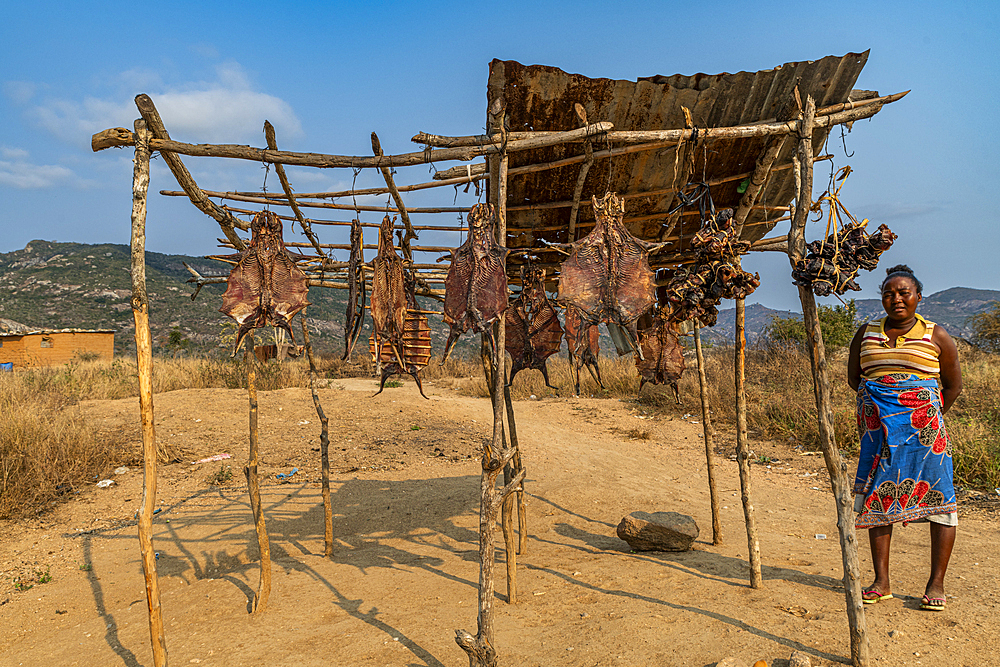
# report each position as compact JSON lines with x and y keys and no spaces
{"x":897,"y":365}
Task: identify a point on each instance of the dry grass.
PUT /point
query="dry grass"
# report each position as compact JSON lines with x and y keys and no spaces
{"x":47,"y":449}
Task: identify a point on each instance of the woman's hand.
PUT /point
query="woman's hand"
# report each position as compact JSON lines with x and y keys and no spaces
{"x":951,"y":373}
{"x":854,"y":359}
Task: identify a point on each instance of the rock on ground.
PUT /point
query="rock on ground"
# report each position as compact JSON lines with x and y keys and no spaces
{"x":658,"y":531}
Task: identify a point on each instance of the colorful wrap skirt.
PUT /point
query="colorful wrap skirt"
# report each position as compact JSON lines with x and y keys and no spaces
{"x":905,"y":468}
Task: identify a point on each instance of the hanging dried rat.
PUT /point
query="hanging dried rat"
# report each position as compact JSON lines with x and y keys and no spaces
{"x":388,"y":299}
{"x":831,"y":265}
{"x":695,"y":291}
{"x":355,"y":314}
{"x":476,"y":285}
{"x":607,"y":275}
{"x":265,"y":287}
{"x":533,"y":332}
{"x":414,"y":347}
{"x":664,"y":357}
{"x":582,"y":340}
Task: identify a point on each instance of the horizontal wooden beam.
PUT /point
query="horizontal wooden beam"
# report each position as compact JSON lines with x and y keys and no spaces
{"x":257,"y":199}
{"x":118,"y":137}
{"x":438,"y":140}
{"x":341,"y":223}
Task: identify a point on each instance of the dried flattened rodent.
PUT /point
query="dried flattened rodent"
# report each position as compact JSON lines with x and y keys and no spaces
{"x":266,"y":287}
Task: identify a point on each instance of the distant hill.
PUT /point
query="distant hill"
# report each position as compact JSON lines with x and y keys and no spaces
{"x":73,"y":285}
{"x":951,"y":308}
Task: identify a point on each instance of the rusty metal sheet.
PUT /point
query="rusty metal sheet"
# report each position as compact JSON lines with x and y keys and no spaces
{"x":542,"y":98}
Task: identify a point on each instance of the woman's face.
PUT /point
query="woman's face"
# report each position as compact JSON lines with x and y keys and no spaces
{"x":900,"y":298}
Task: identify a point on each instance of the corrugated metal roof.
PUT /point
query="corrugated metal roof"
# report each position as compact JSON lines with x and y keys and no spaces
{"x":542,"y":98}
{"x":18,"y":334}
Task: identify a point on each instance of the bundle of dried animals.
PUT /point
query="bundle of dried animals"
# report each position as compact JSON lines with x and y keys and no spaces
{"x":695,"y":290}
{"x":388,"y":300}
{"x":664,"y":357}
{"x":582,"y":341}
{"x":414,"y":350}
{"x":831,"y":265}
{"x":607,"y":276}
{"x":265,"y":287}
{"x":355,"y":314}
{"x":476,"y":285}
{"x":533,"y":332}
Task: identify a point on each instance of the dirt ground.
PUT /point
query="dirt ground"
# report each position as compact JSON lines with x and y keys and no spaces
{"x":405,"y":570}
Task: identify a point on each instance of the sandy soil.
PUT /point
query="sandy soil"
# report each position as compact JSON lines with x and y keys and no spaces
{"x":405,"y":570}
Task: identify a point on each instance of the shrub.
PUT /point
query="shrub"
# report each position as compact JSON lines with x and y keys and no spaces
{"x":986,"y":328}
{"x":837,"y":323}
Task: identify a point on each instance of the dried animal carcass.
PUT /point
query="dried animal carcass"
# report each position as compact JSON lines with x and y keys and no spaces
{"x":414,"y":347}
{"x":607,"y":276}
{"x":533,"y":332}
{"x":663,"y":361}
{"x":266,"y":287}
{"x":476,"y":285}
{"x":584,"y":349}
{"x":831,"y":265}
{"x":695,"y":290}
{"x":355,"y":314}
{"x":388,"y":300}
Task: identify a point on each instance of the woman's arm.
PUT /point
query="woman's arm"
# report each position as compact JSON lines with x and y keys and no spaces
{"x":854,"y":359}
{"x":951,"y":373}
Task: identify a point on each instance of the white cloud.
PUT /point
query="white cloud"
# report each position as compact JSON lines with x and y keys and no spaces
{"x":226,"y":110}
{"x":23,"y":175}
{"x":13,"y":153}
{"x":19,"y":91}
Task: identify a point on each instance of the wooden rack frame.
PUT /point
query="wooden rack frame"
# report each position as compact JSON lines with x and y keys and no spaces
{"x":150,"y":135}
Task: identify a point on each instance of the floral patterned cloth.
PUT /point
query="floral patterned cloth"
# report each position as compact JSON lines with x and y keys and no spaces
{"x":905,"y":469}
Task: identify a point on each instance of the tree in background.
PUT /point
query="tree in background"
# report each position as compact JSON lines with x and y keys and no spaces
{"x":986,"y":328}
{"x":837,"y":323}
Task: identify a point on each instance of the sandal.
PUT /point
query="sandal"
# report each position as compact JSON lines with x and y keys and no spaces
{"x":872,"y":595}
{"x":932,"y":604}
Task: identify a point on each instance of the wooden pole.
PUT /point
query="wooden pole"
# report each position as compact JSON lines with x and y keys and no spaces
{"x":144,"y":362}
{"x":514,"y":466}
{"x":706,"y":420}
{"x":225,"y":219}
{"x":757,"y":181}
{"x":116,"y":137}
{"x":259,"y":603}
{"x":578,"y":191}
{"x":272,"y":143}
{"x":496,"y":456}
{"x":742,"y":449}
{"x":390,"y":183}
{"x":324,"y":443}
{"x":477,"y":139}
{"x":835,"y":463}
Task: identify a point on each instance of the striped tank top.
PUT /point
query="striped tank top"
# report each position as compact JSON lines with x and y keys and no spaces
{"x":914,"y":351}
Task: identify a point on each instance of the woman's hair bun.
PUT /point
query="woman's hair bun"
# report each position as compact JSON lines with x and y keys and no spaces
{"x":903,"y":270}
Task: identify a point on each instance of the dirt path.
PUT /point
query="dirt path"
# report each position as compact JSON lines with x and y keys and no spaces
{"x":405,"y":570}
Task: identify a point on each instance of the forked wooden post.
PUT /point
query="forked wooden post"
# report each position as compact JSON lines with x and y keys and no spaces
{"x":706,"y":420}
{"x":144,"y":362}
{"x":259,"y":604}
{"x":324,"y":443}
{"x":496,"y":456}
{"x":514,"y":465}
{"x":835,"y":463}
{"x":742,"y":449}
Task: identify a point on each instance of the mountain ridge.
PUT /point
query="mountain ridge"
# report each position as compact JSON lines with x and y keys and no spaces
{"x":53,"y":285}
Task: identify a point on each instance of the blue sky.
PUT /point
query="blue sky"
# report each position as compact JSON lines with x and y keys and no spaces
{"x":327,"y":74}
